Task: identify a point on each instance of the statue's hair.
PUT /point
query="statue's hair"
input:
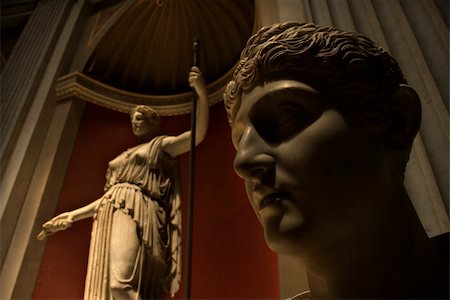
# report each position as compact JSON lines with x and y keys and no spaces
{"x":151,"y":115}
{"x":363,"y":73}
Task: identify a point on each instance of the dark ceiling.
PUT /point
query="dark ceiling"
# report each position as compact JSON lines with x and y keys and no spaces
{"x":149,"y":49}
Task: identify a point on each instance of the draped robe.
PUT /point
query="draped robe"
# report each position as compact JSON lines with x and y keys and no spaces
{"x":142,"y":182}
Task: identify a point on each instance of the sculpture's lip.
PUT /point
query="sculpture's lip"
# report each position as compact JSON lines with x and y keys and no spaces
{"x":137,"y":129}
{"x":264,"y":197}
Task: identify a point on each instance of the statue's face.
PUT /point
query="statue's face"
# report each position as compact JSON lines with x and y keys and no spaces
{"x":303,"y":164}
{"x":140,"y":125}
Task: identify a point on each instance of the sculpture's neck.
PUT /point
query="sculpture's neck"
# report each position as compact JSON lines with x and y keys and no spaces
{"x":387,"y":260}
{"x":146,"y":138}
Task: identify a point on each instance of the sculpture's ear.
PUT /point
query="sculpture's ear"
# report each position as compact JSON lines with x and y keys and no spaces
{"x":404,"y":111}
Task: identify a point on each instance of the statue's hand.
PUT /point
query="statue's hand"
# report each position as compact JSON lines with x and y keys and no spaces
{"x":58,"y":223}
{"x":196,"y":81}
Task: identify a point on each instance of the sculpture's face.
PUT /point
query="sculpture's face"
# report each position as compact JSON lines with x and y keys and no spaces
{"x":140,"y":125}
{"x":303,"y":164}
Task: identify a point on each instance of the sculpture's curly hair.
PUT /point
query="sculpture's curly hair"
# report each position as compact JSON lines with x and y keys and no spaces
{"x":150,"y":114}
{"x":364,"y":74}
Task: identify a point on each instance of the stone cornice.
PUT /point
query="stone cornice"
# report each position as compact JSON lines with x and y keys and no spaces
{"x":84,"y":87}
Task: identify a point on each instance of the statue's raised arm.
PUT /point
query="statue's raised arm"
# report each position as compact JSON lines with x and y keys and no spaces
{"x":176,"y":145}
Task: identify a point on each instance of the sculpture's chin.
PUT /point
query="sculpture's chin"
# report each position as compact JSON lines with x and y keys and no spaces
{"x":282,"y":245}
{"x":284,"y":226}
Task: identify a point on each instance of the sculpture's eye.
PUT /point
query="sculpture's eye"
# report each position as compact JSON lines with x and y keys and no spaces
{"x":138,"y":117}
{"x":281,"y":122}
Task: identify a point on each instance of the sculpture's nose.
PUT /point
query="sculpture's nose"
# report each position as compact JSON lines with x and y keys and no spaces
{"x":252,"y":160}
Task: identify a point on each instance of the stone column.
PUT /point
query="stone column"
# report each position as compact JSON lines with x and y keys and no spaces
{"x":429,"y":157}
{"x":20,"y":81}
{"x":23,"y":70}
{"x":40,"y":133}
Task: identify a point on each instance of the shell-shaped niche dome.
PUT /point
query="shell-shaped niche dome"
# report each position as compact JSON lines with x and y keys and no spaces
{"x":149,"y":50}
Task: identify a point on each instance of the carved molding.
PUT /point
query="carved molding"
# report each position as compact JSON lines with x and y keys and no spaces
{"x":84,"y":87}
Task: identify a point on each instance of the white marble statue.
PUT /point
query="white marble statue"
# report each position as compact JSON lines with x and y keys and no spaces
{"x":135,"y":250}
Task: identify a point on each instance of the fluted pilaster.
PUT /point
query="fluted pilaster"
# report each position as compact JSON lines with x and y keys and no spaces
{"x":35,"y":131}
{"x":23,"y":70}
{"x":416,"y":67}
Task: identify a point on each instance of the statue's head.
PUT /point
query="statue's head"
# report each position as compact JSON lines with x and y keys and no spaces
{"x":145,"y":122}
{"x":320,"y":117}
{"x":365,"y":76}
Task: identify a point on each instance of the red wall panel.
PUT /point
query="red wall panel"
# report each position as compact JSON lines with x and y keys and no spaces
{"x":229,"y":257}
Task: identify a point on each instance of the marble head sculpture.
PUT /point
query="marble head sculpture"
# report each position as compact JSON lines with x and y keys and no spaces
{"x":323,"y":123}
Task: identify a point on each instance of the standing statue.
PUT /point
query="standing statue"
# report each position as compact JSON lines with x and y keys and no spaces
{"x":323,"y":122}
{"x":135,"y":250}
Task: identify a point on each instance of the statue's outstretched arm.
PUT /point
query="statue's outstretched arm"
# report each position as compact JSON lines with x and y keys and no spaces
{"x":66,"y":219}
{"x":176,"y":145}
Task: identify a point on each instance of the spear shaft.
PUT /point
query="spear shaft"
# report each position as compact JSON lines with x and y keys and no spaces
{"x":190,"y":217}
